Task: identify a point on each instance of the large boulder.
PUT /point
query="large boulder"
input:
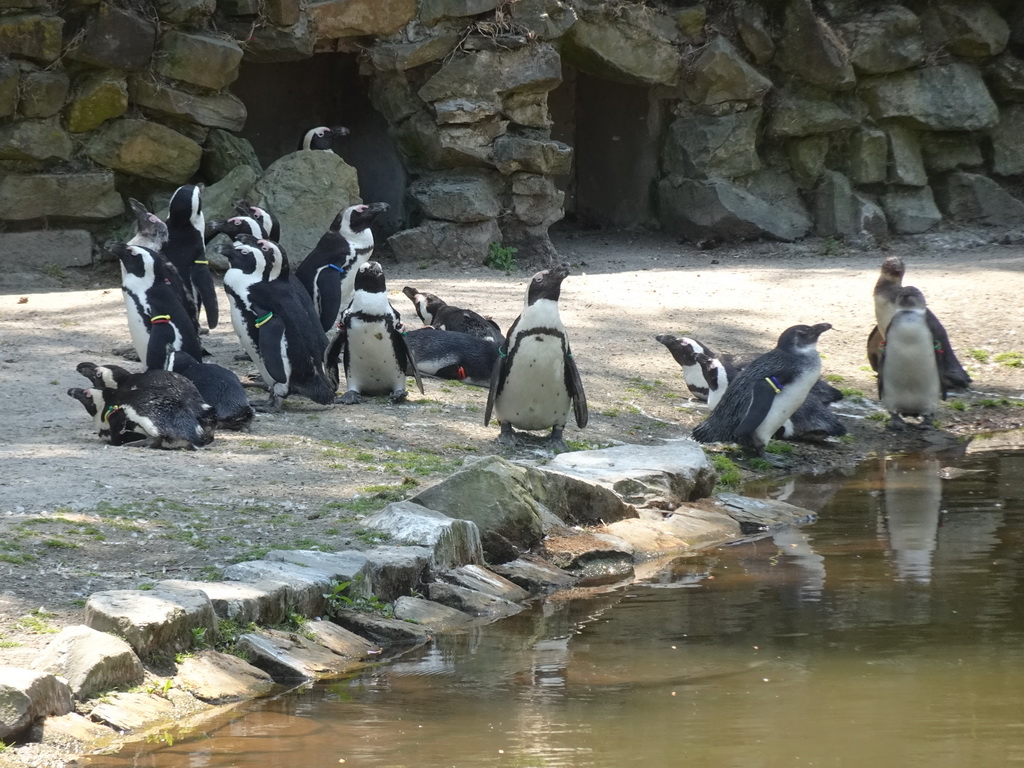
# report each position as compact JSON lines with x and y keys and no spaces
{"x":90,"y":661}
{"x":546,"y":19}
{"x":160,"y":619}
{"x":949,"y":97}
{"x":972,"y":29}
{"x":433,"y":11}
{"x":720,"y":75}
{"x":97,"y":97}
{"x":752,"y":27}
{"x":910,"y":210}
{"x":868,"y":156}
{"x":446,"y":241}
{"x":26,"y":697}
{"x":700,"y":147}
{"x":10,"y":76}
{"x":486,"y":75}
{"x":205,"y":60}
{"x":454,"y":542}
{"x":39,"y":141}
{"x":976,"y":199}
{"x":223,"y":152}
{"x":348,"y":18}
{"x":946,"y":151}
{"x":31,"y":36}
{"x":906,"y":165}
{"x":391,"y":56}
{"x":1006,"y":78}
{"x":27,"y":251}
{"x":43,"y":93}
{"x":271,"y":44}
{"x":146,"y":149}
{"x":811,"y":50}
{"x":610,"y":47}
{"x":515,"y":152}
{"x":886,"y":40}
{"x":88,"y":196}
{"x":462,"y":196}
{"x":1008,"y":142}
{"x":220,"y":110}
{"x":116,"y":39}
{"x":305,"y":190}
{"x":805,"y":112}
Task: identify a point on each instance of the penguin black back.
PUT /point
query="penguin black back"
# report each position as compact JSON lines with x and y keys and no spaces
{"x":186,"y":248}
{"x":218,"y":387}
{"x":434,"y":311}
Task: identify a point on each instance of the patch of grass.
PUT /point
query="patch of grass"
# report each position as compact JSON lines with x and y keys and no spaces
{"x":585,"y":445}
{"x":958,"y":405}
{"x":611,"y":413}
{"x":37,"y":622}
{"x":981,"y":355}
{"x":1010,"y":359}
{"x":729,"y":475}
{"x":830,"y":246}
{"x":640,"y":385}
{"x":502,"y":258}
{"x":340,"y":599}
{"x":760,"y":465}
{"x":368,"y":536}
{"x":851,"y":392}
{"x":59,"y":543}
{"x":878,"y":416}
{"x":256,"y":553}
{"x":990,"y":402}
{"x":778,"y":447}
{"x":55,"y":271}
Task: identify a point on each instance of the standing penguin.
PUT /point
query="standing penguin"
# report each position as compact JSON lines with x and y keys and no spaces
{"x":218,"y":386}
{"x":186,"y":248}
{"x":156,"y":316}
{"x":371,"y":342}
{"x":281,"y":335}
{"x":432,"y":310}
{"x":535,"y":381}
{"x":322,"y":137}
{"x":328,"y":273}
{"x":910,"y":375}
{"x":767,"y":392}
{"x":886,"y":292}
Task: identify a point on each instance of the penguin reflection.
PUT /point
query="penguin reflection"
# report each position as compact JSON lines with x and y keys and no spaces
{"x":913,"y":496}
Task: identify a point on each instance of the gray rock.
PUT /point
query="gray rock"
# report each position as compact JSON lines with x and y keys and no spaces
{"x":481,"y":579}
{"x":391,"y":57}
{"x":284,"y":13}
{"x":131,"y":712}
{"x":868,"y":157}
{"x":271,"y":44}
{"x":44,"y":247}
{"x":432,"y":11}
{"x":393,"y":96}
{"x":305,"y":190}
{"x":79,"y":733}
{"x":884,"y":40}
{"x":925,"y":98}
{"x":720,"y":75}
{"x":31,"y":36}
{"x":445,"y":241}
{"x":218,"y":199}
{"x":192,"y":12}
{"x":611,"y":48}
{"x":90,"y":662}
{"x":753,"y":29}
{"x":382,"y":631}
{"x":430,"y":615}
{"x":590,"y":556}
{"x":116,"y":39}
{"x":205,"y":60}
{"x":142,"y":148}
{"x":513,"y":153}
{"x":98,"y":97}
{"x":807,"y":158}
{"x":765,"y":514}
{"x":396,"y":571}
{"x":534,"y":574}
{"x":653,"y":536}
{"x":453,"y":542}
{"x":1006,"y":78}
{"x":811,"y":50}
{"x":871,"y":218}
{"x":339,"y":640}
{"x":1008,"y":142}
{"x":36,"y":140}
{"x":968,"y":28}
{"x":835,"y":207}
{"x":803,"y":113}
{"x":905,"y":163}
{"x":483,"y":75}
{"x":353,"y":567}
{"x":717,"y":209}
{"x":528,"y":109}
{"x":700,"y":147}
{"x":217,"y":111}
{"x":43,"y":93}
{"x":219,"y":678}
{"x":462,"y":196}
{"x":348,"y":18}
{"x":472,"y":602}
{"x":546,"y":19}
{"x":910,"y":210}
{"x":287,"y":656}
{"x":539,"y":210}
{"x":266,"y":602}
{"x":9,"y":80}
{"x":223,"y":152}
{"x":161,"y":619}
{"x":306,"y":587}
{"x":26,"y":697}
{"x":976,"y":199}
{"x":88,"y":196}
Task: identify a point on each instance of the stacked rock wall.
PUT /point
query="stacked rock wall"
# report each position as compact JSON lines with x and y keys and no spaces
{"x":732,"y":119}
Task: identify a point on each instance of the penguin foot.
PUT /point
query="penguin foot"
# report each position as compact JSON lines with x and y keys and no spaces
{"x":770,"y":458}
{"x":507,"y":436}
{"x":272,"y":405}
{"x":555,"y":441}
{"x":151,"y":442}
{"x":349,"y":398}
{"x":398,"y":397}
{"x":896,"y":423}
{"x":127,"y":352}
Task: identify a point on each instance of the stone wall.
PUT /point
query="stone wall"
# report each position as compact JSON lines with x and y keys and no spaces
{"x":732,"y":119}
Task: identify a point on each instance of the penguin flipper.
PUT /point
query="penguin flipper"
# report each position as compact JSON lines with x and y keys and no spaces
{"x":951,"y":371}
{"x":574,"y":386}
{"x":762,"y":396}
{"x":492,"y":392}
{"x":203,"y":282}
{"x":270,"y":328}
{"x":160,"y":335}
{"x":329,"y":288}
{"x":404,"y":353}
{"x":875,"y":349}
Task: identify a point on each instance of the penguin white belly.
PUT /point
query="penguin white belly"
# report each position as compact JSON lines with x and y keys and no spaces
{"x":910,"y":376}
{"x":134,"y":292}
{"x":787,"y":401}
{"x":242,"y":331}
{"x":534,"y":395}
{"x":372,"y":367}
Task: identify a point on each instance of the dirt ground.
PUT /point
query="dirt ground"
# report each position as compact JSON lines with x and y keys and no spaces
{"x":78,"y":516}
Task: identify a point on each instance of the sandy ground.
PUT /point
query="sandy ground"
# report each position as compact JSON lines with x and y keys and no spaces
{"x":77,"y":516}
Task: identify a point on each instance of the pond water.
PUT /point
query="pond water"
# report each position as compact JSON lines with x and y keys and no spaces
{"x":888,"y":633}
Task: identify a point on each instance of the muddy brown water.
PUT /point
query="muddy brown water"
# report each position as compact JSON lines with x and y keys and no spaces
{"x":888,"y":633}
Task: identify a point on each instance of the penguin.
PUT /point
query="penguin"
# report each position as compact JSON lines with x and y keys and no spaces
{"x":237,"y":225}
{"x":535,"y":381}
{"x":434,"y":311}
{"x":452,"y":355}
{"x":152,"y":409}
{"x":322,"y":137}
{"x":328,"y":273}
{"x":887,"y":289}
{"x":271,"y":226}
{"x":276,"y":326}
{"x":218,"y":386}
{"x":371,"y":342}
{"x":910,"y":381}
{"x":156,"y":315}
{"x":767,"y":392}
{"x":696,"y":372}
{"x":186,"y":249}
{"x":150,"y":230}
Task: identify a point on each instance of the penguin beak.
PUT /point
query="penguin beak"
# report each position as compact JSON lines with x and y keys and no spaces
{"x":820,"y":328}
{"x":339,"y":130}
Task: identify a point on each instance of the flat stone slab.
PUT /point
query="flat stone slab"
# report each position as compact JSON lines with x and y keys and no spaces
{"x":473,"y":602}
{"x":349,"y":566}
{"x":757,"y":515}
{"x":127,"y":712}
{"x":691,"y":526}
{"x":289,"y":656}
{"x":23,"y":251}
{"x":591,"y":557}
{"x":431,"y":615}
{"x":74,"y":728}
{"x":27,"y":696}
{"x":340,"y":640}
{"x":219,"y":678}
{"x":152,"y":620}
{"x":305,"y":586}
{"x":90,"y":661}
{"x":535,"y":575}
{"x":454,"y":542}
{"x":243,"y":602}
{"x":478,"y":578}
{"x":383,"y":631}
{"x":397,"y":571}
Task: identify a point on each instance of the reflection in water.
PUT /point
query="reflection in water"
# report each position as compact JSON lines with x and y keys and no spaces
{"x":888,"y":633}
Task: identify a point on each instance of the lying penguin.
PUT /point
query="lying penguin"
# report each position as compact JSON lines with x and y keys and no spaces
{"x":436,"y":312}
{"x":886,"y":292}
{"x":910,"y":381}
{"x":707,"y":375}
{"x":371,"y":342}
{"x":152,"y":409}
{"x":452,"y":355}
{"x":218,"y":386}
{"x":535,"y":381}
{"x":767,"y":392}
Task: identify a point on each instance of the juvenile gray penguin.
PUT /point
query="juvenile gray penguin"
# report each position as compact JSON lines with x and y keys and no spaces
{"x":909,"y":377}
